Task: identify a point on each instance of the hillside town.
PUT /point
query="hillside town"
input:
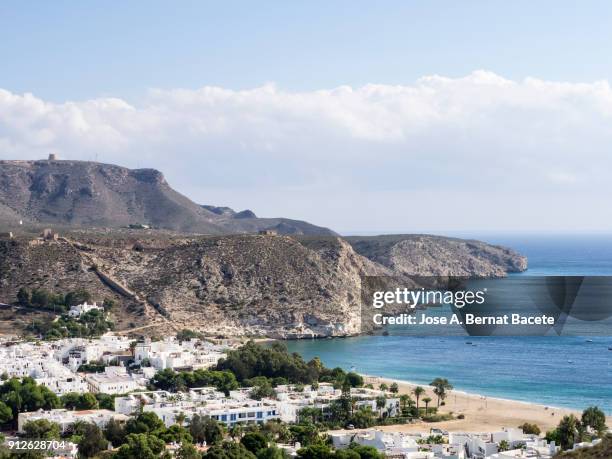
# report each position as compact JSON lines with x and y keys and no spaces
{"x":236,"y":391}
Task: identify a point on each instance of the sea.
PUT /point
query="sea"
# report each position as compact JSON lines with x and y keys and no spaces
{"x":562,"y":371}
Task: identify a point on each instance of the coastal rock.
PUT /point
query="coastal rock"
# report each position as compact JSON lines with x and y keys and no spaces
{"x":427,"y":255}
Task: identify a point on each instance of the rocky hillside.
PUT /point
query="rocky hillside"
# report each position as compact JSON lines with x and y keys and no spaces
{"x":436,"y":255}
{"x":89,"y":194}
{"x":270,"y":285}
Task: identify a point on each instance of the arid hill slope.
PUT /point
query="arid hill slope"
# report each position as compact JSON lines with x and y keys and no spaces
{"x":90,"y":194}
{"x":268,"y":285}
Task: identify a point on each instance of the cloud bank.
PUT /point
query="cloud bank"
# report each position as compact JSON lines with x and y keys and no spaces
{"x":475,"y":153}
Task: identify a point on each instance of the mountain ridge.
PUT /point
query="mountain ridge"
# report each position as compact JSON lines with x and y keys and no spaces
{"x":91,"y":194}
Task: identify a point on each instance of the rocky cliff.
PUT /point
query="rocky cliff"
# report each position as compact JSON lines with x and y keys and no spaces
{"x":427,"y":255}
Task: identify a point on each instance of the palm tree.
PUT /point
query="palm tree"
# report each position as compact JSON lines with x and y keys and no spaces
{"x":426,"y":400}
{"x":418,"y":391}
{"x":441,"y":385}
{"x":569,"y":431}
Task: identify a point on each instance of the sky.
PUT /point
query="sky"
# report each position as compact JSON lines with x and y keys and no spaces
{"x":407,"y":116}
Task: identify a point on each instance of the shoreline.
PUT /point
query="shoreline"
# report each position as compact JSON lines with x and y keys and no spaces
{"x":482,"y":413}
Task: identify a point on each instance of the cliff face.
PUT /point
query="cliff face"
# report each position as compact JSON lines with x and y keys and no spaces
{"x":89,"y":194}
{"x":435,"y":255}
{"x":228,"y":285}
{"x":276,"y":286}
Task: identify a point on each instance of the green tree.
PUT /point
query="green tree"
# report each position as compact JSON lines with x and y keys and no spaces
{"x":75,"y":401}
{"x":346,"y":454}
{"x":384,"y":387}
{"x":77,"y":297}
{"x":106,"y":401}
{"x":186,"y":334}
{"x":41,"y":429}
{"x":354,"y":379}
{"x":263,"y":390}
{"x":236,"y":431}
{"x":363,"y":418}
{"x":25,"y":395}
{"x":187,"y":451}
{"x":504,"y":445}
{"x":305,"y":434}
{"x":272,"y":452}
{"x":317,"y":451}
{"x":275,"y":361}
{"x":115,"y":433}
{"x":6,"y":414}
{"x":176,"y":434}
{"x":204,"y":429}
{"x":530,"y":429}
{"x":146,"y":422}
{"x":426,"y":400}
{"x":418,"y":391}
{"x":594,"y":419}
{"x":229,"y":450}
{"x":441,"y":385}
{"x":366,"y":452}
{"x":394,"y":388}
{"x":92,"y":441}
{"x":568,"y":431}
{"x":140,"y":446}
{"x":254,"y":441}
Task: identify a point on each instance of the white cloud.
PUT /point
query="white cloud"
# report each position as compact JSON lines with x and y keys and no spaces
{"x":480,"y":133}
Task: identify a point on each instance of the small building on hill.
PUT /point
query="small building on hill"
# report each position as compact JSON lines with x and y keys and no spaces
{"x":80,"y":309}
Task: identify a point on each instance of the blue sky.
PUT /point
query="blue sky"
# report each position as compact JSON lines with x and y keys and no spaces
{"x":72,"y":50}
{"x":435,"y":116}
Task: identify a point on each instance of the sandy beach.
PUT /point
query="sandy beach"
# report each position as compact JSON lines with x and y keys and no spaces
{"x":482,"y":414}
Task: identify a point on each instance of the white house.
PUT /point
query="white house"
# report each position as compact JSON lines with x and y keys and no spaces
{"x":80,"y":309}
{"x":390,"y":443}
{"x":114,"y":380}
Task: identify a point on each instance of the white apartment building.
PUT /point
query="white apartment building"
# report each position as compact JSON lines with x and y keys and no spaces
{"x":66,"y":418}
{"x":204,"y":401}
{"x":227,"y":411}
{"x":169,"y":353}
{"x":114,"y":380}
{"x":294,"y":401}
{"x":391,"y":443}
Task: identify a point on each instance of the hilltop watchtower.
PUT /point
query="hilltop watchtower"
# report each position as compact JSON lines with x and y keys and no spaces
{"x":52,"y":157}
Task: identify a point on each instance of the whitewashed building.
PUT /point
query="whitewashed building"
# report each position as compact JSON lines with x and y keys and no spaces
{"x":114,"y":380}
{"x":80,"y":309}
{"x":171,"y":353}
{"x":66,"y":418}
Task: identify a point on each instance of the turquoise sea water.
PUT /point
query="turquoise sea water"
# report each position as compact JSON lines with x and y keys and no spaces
{"x":557,"y":371}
